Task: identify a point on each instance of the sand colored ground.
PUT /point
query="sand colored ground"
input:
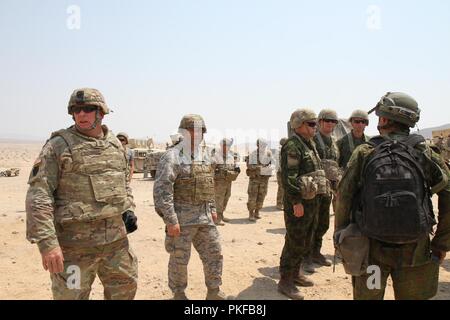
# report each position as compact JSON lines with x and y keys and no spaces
{"x":251,"y":250}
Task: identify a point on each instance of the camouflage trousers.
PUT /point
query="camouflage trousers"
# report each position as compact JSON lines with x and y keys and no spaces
{"x":115,"y":264}
{"x":223,"y":192}
{"x":323,"y":222}
{"x":299,"y":234}
{"x":206,"y":241}
{"x":257,"y":191}
{"x":280,"y":191}
{"x":410,"y":282}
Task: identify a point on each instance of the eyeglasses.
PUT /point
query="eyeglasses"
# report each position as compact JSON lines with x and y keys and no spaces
{"x":330,"y":121}
{"x":86,"y":109}
{"x":360,"y":121}
{"x":311,"y":124}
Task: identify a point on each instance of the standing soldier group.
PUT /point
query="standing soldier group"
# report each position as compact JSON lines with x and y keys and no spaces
{"x":80,"y":205}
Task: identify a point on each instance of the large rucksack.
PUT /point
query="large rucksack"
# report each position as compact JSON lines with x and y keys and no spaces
{"x":395,"y":205}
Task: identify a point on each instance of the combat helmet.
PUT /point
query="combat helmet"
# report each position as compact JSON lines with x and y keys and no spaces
{"x":301,"y":115}
{"x":87,"y":97}
{"x":399,"y":107}
{"x":122,"y":134}
{"x":190,"y":121}
{"x":359,"y":114}
{"x":328,"y":114}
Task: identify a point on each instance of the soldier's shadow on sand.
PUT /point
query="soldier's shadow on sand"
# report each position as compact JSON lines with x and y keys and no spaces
{"x":443,"y":291}
{"x":271,"y":209}
{"x":241,"y":221}
{"x":261,"y":289}
{"x":277,"y":231}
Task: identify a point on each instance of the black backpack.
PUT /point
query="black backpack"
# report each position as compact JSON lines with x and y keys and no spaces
{"x":395,"y":199}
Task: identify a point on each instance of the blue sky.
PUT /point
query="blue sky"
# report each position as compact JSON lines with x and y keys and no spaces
{"x":241,"y":64}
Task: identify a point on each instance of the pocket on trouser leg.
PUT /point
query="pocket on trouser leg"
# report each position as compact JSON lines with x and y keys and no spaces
{"x":76,"y":280}
{"x":119,"y":273}
{"x":416,"y":283}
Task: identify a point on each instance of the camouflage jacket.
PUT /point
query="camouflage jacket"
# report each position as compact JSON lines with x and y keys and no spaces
{"x":326,"y":147}
{"x":299,"y":157}
{"x":77,"y":191}
{"x":175,"y":166}
{"x":438,"y":177}
{"x":346,"y":146}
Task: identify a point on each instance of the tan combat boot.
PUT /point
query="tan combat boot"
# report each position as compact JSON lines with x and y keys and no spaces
{"x":251,"y":216}
{"x":225,"y":219}
{"x":319,"y":258}
{"x":257,"y":216}
{"x":301,"y":280}
{"x":215,"y":294}
{"x":286,"y":286}
{"x":180,"y":296}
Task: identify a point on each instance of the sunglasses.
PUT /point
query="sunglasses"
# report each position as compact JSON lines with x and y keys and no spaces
{"x":86,"y":109}
{"x":330,"y":121}
{"x":360,"y":121}
{"x":122,"y":140}
{"x":311,"y":124}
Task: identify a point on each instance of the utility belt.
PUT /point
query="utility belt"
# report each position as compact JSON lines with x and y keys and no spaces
{"x":228,"y":175}
{"x":259,"y":171}
{"x":313,"y":184}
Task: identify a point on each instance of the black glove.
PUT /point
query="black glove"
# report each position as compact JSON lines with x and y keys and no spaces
{"x":238,"y":170}
{"x":130,"y":221}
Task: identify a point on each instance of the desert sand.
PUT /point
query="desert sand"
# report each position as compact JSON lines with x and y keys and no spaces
{"x":251,"y":250}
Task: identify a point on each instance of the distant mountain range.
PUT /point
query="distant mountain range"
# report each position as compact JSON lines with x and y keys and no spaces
{"x":427,"y":133}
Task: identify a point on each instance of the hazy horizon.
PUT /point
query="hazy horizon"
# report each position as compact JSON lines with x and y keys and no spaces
{"x":243,"y":65}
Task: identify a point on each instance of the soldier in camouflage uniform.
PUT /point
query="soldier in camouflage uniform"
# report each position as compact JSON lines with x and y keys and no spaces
{"x":329,"y":155}
{"x":414,"y":267}
{"x":184,"y":197}
{"x":123,"y":138}
{"x":259,"y":170}
{"x":347,"y":144}
{"x":280,"y":191}
{"x":226,"y":170}
{"x":75,"y":202}
{"x":305,"y":184}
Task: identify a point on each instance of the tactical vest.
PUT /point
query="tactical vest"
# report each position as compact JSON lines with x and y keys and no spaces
{"x":225,"y":171}
{"x":329,"y":157}
{"x":195,"y":187}
{"x":92,"y":182}
{"x":258,"y":170}
{"x":312,"y":179}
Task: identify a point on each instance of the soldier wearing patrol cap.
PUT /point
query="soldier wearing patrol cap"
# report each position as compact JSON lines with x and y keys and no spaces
{"x":359,"y":120}
{"x":75,"y":202}
{"x":384,"y":202}
{"x":304,"y":184}
{"x":226,"y":170}
{"x":184,"y":197}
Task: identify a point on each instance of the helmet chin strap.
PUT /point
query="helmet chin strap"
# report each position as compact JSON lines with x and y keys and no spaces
{"x":93,"y":126}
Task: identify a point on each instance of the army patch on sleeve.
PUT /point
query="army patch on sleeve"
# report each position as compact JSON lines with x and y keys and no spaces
{"x":292,"y":161}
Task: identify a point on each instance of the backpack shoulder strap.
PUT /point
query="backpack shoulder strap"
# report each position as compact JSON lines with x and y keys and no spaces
{"x":414,"y":139}
{"x":377,"y":140}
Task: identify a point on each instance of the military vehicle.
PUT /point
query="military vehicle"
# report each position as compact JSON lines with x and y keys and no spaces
{"x":151,"y":162}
